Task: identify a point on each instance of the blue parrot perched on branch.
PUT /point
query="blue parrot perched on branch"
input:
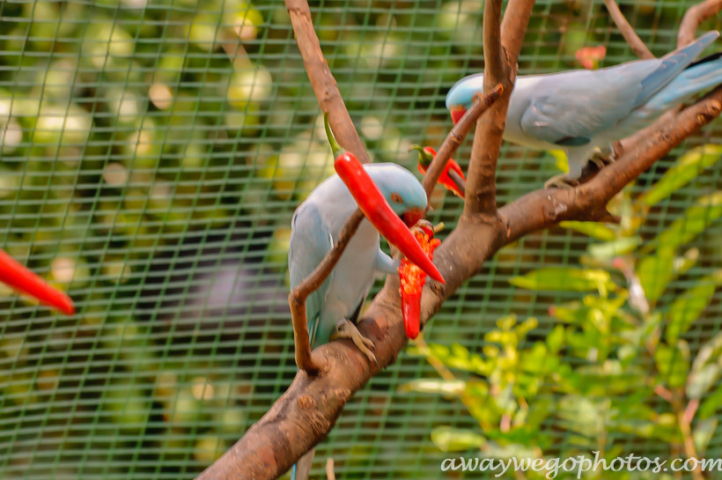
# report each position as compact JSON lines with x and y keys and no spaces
{"x":334,"y":307}
{"x":583,"y":111}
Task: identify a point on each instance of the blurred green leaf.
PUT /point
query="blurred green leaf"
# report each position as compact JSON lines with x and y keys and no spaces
{"x":605,"y":251}
{"x":564,"y":279}
{"x":593,"y":229}
{"x":699,"y":382}
{"x":689,"y":166}
{"x":673,"y":365}
{"x":448,"y":439}
{"x":703,"y":433}
{"x":443,"y":387}
{"x":688,"y":307}
{"x":655,"y":272}
{"x":711,"y":404}
{"x":694,"y":221}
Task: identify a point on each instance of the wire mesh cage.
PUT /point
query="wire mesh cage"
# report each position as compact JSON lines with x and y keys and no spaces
{"x":152,"y":154}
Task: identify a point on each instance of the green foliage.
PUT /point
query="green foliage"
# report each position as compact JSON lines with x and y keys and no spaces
{"x":587,"y":374}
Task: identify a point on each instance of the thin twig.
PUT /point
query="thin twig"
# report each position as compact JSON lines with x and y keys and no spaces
{"x":635,"y":43}
{"x":322,"y":81}
{"x":692,"y":19}
{"x":297,"y":298}
{"x":456,"y":136}
{"x":330,"y":474}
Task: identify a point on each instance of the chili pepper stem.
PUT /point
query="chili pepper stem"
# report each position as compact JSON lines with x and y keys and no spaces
{"x":335,"y":147}
{"x":425,"y":158}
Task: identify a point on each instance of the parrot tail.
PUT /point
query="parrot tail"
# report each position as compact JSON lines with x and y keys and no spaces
{"x":302,"y":469}
{"x":699,"y":76}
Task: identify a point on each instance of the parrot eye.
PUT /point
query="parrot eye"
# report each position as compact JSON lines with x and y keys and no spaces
{"x":396,"y":198}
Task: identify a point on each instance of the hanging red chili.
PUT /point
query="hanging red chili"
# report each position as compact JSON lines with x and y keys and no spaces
{"x":413,"y":279}
{"x":426,"y":155}
{"x":375,"y":207}
{"x":21,"y":279}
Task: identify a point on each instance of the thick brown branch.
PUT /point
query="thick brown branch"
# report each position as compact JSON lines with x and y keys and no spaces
{"x":635,"y":43}
{"x":692,"y":19}
{"x":481,"y":188}
{"x":322,"y":81}
{"x":457,"y":135}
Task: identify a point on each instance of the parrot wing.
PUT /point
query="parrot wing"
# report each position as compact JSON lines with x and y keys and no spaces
{"x":310,"y":241}
{"x":570,"y":109}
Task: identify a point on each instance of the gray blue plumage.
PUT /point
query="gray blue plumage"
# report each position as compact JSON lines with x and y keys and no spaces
{"x":315,"y":228}
{"x":581,"y":111}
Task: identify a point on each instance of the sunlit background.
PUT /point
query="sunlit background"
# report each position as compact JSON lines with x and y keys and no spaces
{"x":152,"y":154}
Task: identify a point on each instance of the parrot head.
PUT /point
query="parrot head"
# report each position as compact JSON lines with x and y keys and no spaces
{"x":461,"y":96}
{"x":401,"y":190}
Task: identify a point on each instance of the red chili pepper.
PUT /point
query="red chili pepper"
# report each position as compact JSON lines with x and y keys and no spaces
{"x":413,"y":279}
{"x":426,"y":155}
{"x":20,"y":278}
{"x":375,"y":207}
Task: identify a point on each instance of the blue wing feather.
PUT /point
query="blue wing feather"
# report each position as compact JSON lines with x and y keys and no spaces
{"x":576,"y":106}
{"x":310,"y":241}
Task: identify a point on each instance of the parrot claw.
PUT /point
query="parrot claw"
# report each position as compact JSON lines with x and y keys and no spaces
{"x":561,"y":181}
{"x":347,"y":330}
{"x":601,"y":161}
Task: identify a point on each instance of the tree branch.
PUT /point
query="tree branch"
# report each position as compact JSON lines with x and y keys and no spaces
{"x":322,"y":81}
{"x":457,"y":135}
{"x":692,"y":19}
{"x":635,"y":43}
{"x":481,"y":183}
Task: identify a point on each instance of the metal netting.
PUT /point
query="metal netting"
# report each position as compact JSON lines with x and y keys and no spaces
{"x":152,"y":154}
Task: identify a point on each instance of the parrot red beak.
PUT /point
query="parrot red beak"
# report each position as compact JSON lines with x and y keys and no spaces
{"x":23,"y":280}
{"x":456,"y":113}
{"x":411,"y":217}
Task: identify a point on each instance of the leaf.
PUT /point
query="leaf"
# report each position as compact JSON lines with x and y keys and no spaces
{"x":672,"y":364}
{"x":703,"y":433}
{"x":689,"y":166}
{"x":603,"y":251}
{"x":688,"y":307}
{"x":555,"y":340}
{"x":593,"y":229}
{"x":443,"y":387}
{"x":564,"y":279}
{"x":711,"y":404}
{"x":654,"y":273}
{"x":695,"y":220}
{"x":700,"y":382}
{"x":448,"y":439}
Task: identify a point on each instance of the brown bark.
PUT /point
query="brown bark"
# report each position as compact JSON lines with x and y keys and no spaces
{"x":694,"y":16}
{"x":635,"y":43}
{"x":481,"y":179}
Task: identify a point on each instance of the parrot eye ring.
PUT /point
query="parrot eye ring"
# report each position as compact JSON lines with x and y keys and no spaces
{"x":396,"y":198}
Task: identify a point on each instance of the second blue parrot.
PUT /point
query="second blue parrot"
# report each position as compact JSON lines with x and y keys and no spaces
{"x":583,"y":111}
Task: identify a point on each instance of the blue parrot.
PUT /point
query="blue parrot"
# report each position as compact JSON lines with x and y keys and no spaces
{"x":316,"y":225}
{"x":585,"y":111}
